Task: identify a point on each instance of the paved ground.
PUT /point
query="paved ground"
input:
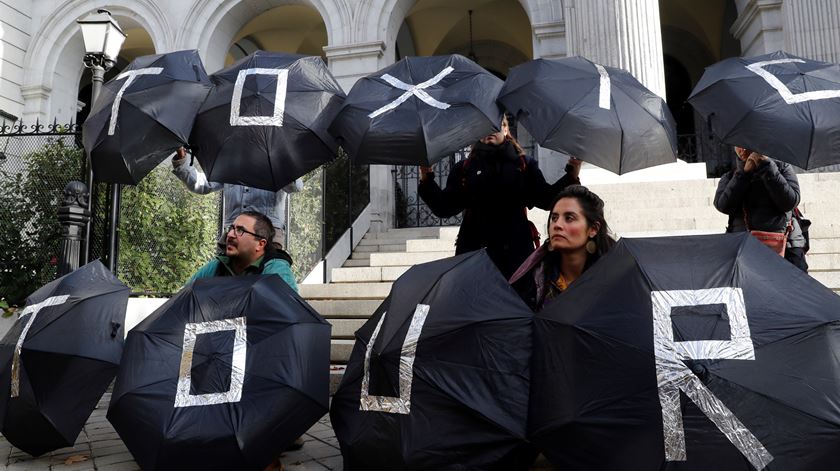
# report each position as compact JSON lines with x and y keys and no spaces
{"x":100,"y":448}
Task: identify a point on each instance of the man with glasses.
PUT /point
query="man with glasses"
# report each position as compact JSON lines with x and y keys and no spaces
{"x":238,"y":198}
{"x":249,"y":252}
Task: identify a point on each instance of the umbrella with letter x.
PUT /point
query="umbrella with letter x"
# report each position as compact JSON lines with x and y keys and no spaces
{"x":689,"y":353}
{"x":418,"y":110}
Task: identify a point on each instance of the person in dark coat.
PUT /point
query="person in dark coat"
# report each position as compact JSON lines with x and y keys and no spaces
{"x":760,"y":193}
{"x":494,"y":187}
{"x":578,"y":236}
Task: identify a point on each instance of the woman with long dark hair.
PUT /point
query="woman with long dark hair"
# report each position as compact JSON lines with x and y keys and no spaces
{"x":494,"y":187}
{"x":578,"y":236}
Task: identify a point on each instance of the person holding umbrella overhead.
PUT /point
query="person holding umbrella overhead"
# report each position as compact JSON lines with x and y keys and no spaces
{"x":238,"y":198}
{"x":578,"y":236}
{"x":494,"y":187}
{"x":760,"y":194}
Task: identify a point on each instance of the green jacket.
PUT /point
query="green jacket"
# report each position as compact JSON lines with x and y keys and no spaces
{"x":274,"y":264}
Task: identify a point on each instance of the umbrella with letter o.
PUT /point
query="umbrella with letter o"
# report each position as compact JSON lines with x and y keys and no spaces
{"x":418,"y":110}
{"x":689,"y":353}
{"x":778,"y":104}
{"x":264,"y":124}
{"x":601,"y":115}
{"x":59,"y":358}
{"x":438,"y":377}
{"x":144,"y":114}
{"x":223,"y":376}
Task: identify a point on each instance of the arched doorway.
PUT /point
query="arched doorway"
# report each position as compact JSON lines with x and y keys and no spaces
{"x":295,"y":29}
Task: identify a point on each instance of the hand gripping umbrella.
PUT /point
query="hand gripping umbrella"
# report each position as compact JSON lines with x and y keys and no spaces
{"x":143,"y":115}
{"x":223,"y":376}
{"x":264,"y":124}
{"x":689,"y":353}
{"x":438,"y":378}
{"x":418,"y":111}
{"x":59,"y":357}
{"x":601,"y":115}
{"x":777,"y":104}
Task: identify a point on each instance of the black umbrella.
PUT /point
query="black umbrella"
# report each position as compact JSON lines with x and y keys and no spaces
{"x":223,"y":376}
{"x":689,"y":353}
{"x":438,"y":378}
{"x":143,"y":115}
{"x":777,"y":104}
{"x":418,"y":111}
{"x":601,"y":115}
{"x":264,"y":124}
{"x":60,"y":356}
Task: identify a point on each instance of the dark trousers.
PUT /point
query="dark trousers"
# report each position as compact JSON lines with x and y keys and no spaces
{"x":796,"y":256}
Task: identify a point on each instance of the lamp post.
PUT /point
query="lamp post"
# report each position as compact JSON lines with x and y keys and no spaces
{"x":103,"y":40}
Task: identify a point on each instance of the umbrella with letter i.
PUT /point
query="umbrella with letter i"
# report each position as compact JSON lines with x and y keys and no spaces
{"x":601,"y":115}
{"x":143,"y":115}
{"x":59,"y":358}
{"x":689,"y":353}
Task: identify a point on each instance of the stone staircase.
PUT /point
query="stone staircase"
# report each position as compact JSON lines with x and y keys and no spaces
{"x":632,"y":210}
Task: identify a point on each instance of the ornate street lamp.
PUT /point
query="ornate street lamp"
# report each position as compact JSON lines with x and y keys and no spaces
{"x":103,"y":40}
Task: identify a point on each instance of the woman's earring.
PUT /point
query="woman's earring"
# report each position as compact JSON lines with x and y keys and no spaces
{"x":591,"y":246}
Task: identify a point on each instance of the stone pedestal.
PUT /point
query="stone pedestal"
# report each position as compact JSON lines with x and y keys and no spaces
{"x":759,"y":26}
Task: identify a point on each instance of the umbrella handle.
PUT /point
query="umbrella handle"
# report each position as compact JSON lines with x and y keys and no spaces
{"x":115,"y":328}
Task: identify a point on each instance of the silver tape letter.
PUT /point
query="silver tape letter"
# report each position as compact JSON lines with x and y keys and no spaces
{"x":789,"y":97}
{"x":604,"y":88}
{"x":276,"y":119}
{"x":402,"y":404}
{"x":130,"y":75}
{"x":674,"y":376}
{"x":33,"y":310}
{"x":183,"y":398}
{"x":415,"y":90}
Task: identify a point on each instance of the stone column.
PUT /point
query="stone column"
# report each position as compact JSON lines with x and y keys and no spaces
{"x":348,"y":63}
{"x":812,"y":29}
{"x":619,"y":33}
{"x":759,"y":26}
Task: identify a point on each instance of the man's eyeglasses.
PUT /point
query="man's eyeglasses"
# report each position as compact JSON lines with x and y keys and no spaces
{"x":239,"y":230}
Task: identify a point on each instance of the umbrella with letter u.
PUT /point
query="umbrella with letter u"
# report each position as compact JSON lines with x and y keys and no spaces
{"x":59,"y":358}
{"x":778,"y":104}
{"x":689,"y":353}
{"x":601,"y":115}
{"x":438,"y":377}
{"x":144,"y":114}
{"x":223,"y":376}
{"x":264,"y":124}
{"x":418,"y":110}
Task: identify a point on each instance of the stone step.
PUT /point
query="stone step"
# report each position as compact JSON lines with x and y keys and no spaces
{"x":367,"y":274}
{"x":430,"y":245}
{"x":406,"y":233}
{"x":340,"y":350}
{"x":345,"y":291}
{"x":818,"y":246}
{"x":382,"y":247}
{"x":345,"y":328}
{"x":399,"y":259}
{"x":823,"y":261}
{"x":357,"y":262}
{"x":345,"y":308}
{"x":360,"y":256}
{"x":830,"y":279}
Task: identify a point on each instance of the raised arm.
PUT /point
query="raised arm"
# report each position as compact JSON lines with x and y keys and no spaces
{"x":194,"y":180}
{"x":781,"y":183}
{"x":541,"y":194}
{"x":446,"y":202}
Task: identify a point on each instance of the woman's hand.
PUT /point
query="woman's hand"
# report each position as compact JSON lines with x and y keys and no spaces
{"x":426,"y":173}
{"x":573,"y":167}
{"x":754,"y":161}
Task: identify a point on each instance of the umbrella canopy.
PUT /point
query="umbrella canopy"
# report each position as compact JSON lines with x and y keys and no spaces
{"x":264,"y":124}
{"x":223,"y":376}
{"x":59,"y":358}
{"x":689,"y":353}
{"x":601,"y":115}
{"x":418,"y":111}
{"x":143,"y":115}
{"x":438,"y":378}
{"x":778,"y":104}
